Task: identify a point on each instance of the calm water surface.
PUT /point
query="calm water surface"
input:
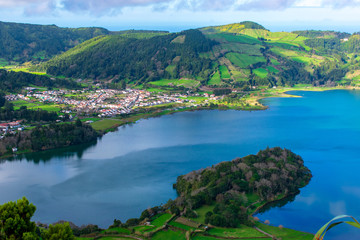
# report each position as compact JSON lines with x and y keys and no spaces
{"x":135,"y":167}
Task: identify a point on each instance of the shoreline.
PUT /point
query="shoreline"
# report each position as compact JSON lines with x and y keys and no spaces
{"x":283,"y":92}
{"x":163,"y":110}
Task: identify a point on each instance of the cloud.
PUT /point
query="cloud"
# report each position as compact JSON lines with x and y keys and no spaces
{"x":16,"y":3}
{"x":308,"y":200}
{"x":204,"y":5}
{"x":340,"y":4}
{"x":337,"y":208}
{"x":352,"y":190}
{"x":104,"y":7}
{"x":30,"y":7}
{"x":266,"y":5}
{"x":43,"y":8}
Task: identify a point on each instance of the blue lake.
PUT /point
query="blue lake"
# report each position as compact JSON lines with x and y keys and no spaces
{"x":134,"y":168}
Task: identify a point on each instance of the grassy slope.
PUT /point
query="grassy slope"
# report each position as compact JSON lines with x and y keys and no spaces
{"x":224,"y":72}
{"x":243,"y":60}
{"x":188,"y":83}
{"x":242,"y":47}
{"x":78,"y":49}
{"x":215,"y":79}
{"x":169,"y":235}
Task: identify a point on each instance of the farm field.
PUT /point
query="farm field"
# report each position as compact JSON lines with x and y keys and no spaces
{"x":118,"y":230}
{"x":106,"y":124}
{"x":224,"y":72}
{"x":243,"y":231}
{"x":248,"y":49}
{"x":161,"y":220}
{"x":48,"y":107}
{"x":285,"y":233}
{"x":226,"y":37}
{"x":242,"y":60}
{"x":181,"y":226}
{"x":169,"y":235}
{"x":260,"y":72}
{"x":272,"y":69}
{"x":215,"y":79}
{"x":187,"y":83}
{"x":297,"y":56}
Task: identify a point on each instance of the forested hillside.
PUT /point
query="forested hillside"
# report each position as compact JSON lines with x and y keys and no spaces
{"x":26,"y":42}
{"x":271,"y":174}
{"x":12,"y":82}
{"x":239,"y":55}
{"x":254,"y":56}
{"x":48,"y":137}
{"x":136,"y":60}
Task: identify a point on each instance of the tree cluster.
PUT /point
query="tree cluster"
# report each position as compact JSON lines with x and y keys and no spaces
{"x":27,"y":42}
{"x":15,"y":223}
{"x":7,"y":113}
{"x":138,"y":60}
{"x":15,"y":81}
{"x":48,"y":137}
{"x":269,"y":174}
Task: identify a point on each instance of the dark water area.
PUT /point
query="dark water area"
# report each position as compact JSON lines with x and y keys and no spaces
{"x":135,"y":167}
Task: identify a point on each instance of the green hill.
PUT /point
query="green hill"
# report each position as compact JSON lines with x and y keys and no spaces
{"x":233,"y":28}
{"x":237,"y":55}
{"x":28,"y":42}
{"x":136,"y":60}
{"x":233,"y":187}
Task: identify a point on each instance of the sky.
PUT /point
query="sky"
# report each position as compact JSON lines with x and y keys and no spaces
{"x":177,"y":15}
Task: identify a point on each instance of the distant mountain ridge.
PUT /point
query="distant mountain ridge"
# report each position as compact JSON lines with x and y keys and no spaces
{"x":31,"y":42}
{"x":234,"y":27}
{"x":239,"y":55}
{"x":26,"y":42}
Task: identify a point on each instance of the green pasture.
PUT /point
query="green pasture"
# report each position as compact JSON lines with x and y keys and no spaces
{"x":188,"y":83}
{"x":243,"y":60}
{"x":106,"y":124}
{"x":242,"y":48}
{"x":161,"y":220}
{"x":272,"y":69}
{"x":180,"y":225}
{"x":201,"y":213}
{"x":285,"y":233}
{"x":260,"y":72}
{"x":224,"y":72}
{"x":274,"y":61}
{"x":119,"y":230}
{"x":243,"y":232}
{"x":226,"y":37}
{"x":48,"y":107}
{"x":215,"y":79}
{"x":169,"y":235}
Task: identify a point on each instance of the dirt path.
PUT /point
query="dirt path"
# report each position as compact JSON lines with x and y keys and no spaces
{"x":267,"y":234}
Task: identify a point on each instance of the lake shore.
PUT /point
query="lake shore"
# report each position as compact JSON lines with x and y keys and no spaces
{"x":250,"y":102}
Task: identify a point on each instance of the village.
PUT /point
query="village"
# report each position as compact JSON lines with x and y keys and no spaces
{"x":105,"y":102}
{"x":90,"y":104}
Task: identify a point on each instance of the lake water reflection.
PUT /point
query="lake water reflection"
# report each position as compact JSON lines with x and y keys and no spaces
{"x":134,"y":168}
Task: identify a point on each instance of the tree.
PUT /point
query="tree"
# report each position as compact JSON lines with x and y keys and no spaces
{"x":78,"y":123}
{"x":123,"y":84}
{"x":59,"y":232}
{"x":15,"y":220}
{"x":2,"y":99}
{"x":145,"y":214}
